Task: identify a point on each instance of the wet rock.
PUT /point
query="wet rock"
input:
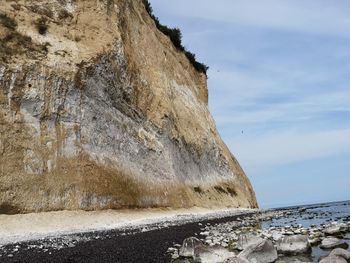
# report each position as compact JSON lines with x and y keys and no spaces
{"x":314,"y":241}
{"x":262,"y":252}
{"x":332,"y":242}
{"x":338,"y":255}
{"x":332,"y":230}
{"x":188,"y":247}
{"x":292,"y":245}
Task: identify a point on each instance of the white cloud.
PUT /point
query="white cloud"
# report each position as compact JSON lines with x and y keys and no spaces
{"x":279,"y":70}
{"x":304,"y":108}
{"x":288,"y":147}
{"x":312,"y":17}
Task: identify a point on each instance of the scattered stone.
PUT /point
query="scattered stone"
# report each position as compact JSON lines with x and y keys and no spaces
{"x":332,"y":230}
{"x":314,"y":241}
{"x":188,"y":247}
{"x":175,"y":255}
{"x":293,"y":240}
{"x":171,"y":250}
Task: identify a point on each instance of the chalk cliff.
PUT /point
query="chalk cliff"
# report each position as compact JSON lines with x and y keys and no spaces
{"x":99,"y":110}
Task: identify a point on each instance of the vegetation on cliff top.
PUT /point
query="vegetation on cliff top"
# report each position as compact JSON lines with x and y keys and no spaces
{"x":176,"y":37}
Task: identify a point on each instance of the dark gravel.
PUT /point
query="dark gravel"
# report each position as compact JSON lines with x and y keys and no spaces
{"x":116,"y":247}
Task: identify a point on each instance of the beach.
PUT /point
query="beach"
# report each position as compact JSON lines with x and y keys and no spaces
{"x":152,"y":236}
{"x":103,"y":236}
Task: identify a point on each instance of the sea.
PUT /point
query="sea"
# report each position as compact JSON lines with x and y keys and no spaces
{"x":315,"y":214}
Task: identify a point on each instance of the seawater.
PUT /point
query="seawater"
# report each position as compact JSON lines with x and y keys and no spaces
{"x":308,"y":215}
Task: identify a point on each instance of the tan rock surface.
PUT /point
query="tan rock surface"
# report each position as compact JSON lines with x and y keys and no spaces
{"x":103,"y":111}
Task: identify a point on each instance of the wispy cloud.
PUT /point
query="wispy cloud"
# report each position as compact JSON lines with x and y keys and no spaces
{"x":279,"y":72}
{"x":312,"y":17}
{"x":291,"y":146}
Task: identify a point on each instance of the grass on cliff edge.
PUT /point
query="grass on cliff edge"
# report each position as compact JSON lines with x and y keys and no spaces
{"x":176,"y":37}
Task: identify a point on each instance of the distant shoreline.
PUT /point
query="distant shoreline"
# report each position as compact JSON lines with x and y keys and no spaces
{"x":306,"y":205}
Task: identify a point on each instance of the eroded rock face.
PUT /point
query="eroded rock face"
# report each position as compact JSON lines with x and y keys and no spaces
{"x":100,"y":110}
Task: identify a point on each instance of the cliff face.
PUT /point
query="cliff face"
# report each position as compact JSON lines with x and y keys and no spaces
{"x":99,"y":110}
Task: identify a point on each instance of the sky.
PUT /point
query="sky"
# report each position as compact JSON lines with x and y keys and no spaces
{"x":279,"y":72}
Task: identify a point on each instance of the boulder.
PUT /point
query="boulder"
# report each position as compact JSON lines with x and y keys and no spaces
{"x":214,"y":254}
{"x":341,"y":253}
{"x":246,"y":240}
{"x":333,"y":242}
{"x":332,"y":230}
{"x":293,"y":260}
{"x":338,"y":255}
{"x":237,"y":260}
{"x":276,"y":235}
{"x":292,"y":245}
{"x":333,"y":259}
{"x":262,"y":252}
{"x":188,"y":247}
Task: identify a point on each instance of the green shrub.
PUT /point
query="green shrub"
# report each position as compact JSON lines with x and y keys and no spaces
{"x":174,"y":34}
{"x":148,"y":7}
{"x":176,"y":38}
{"x":197,"y":65}
{"x":8,"y":22}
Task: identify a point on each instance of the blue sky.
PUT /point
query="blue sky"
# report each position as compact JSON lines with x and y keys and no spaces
{"x":279,"y":71}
